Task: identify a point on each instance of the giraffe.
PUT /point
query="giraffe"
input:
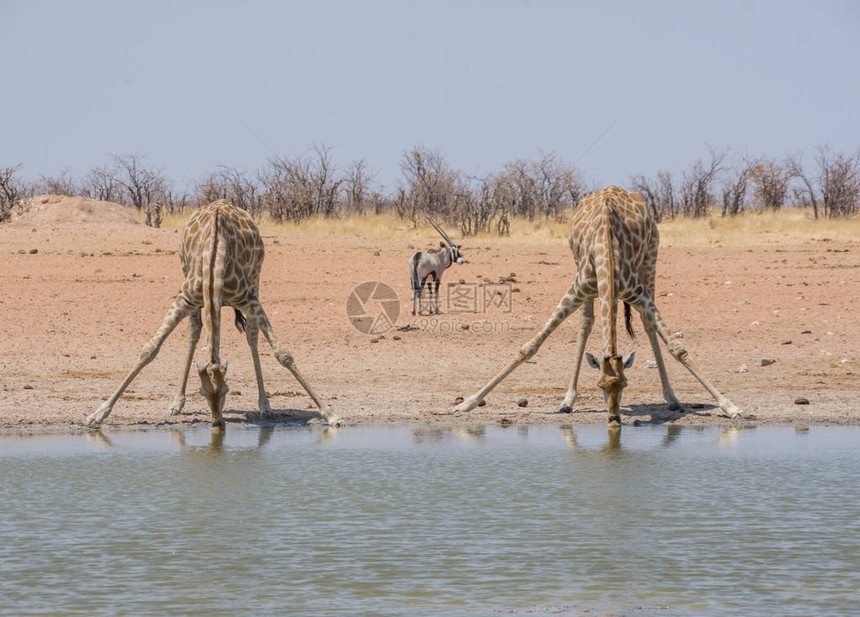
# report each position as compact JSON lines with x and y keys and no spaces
{"x":221,"y":253}
{"x":614,"y":241}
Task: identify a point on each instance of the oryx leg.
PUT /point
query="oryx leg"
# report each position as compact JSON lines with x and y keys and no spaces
{"x":575,"y":296}
{"x":254,"y":311}
{"x":416,"y":297}
{"x":178,"y":311}
{"x":195,"y":325}
{"x":421,"y":285}
{"x":584,"y":331}
{"x":652,"y":319}
{"x":438,"y":282}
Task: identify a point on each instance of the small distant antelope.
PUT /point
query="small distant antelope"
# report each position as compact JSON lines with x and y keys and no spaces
{"x":426,"y":264}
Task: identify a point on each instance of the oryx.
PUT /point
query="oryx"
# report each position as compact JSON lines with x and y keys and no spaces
{"x":431,"y":264}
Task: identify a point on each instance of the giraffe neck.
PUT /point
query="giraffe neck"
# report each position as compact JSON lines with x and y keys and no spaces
{"x":606,"y":287}
{"x":213,"y":276}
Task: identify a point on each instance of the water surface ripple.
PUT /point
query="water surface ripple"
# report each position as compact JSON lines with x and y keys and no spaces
{"x":432,"y":521}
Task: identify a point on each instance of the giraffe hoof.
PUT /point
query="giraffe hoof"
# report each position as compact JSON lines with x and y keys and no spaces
{"x":565,"y":409}
{"x":176,"y":406}
{"x":732,"y":411}
{"x":334,"y":420}
{"x":98,"y":416}
{"x":674,"y":406}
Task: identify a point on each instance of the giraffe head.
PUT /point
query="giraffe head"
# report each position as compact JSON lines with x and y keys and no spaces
{"x":612,"y":380}
{"x":213,"y":386}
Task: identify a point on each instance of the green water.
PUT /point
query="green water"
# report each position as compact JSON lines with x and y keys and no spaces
{"x":423,"y":521}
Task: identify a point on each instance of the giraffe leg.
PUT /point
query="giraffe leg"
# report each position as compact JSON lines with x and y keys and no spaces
{"x":252,"y":331}
{"x":177,"y":312}
{"x":584,"y":332}
{"x":194,"y":327}
{"x":254,"y":310}
{"x":668,"y":393}
{"x":649,"y":311}
{"x":569,"y":303}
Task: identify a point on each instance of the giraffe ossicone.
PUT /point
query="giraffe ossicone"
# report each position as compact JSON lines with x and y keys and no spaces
{"x":614,"y":240}
{"x":221,"y":253}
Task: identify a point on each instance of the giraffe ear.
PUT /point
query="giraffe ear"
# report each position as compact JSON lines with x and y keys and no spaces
{"x":628,"y":361}
{"x":592,"y":361}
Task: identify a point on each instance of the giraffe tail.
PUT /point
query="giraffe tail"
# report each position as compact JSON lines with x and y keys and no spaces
{"x":628,"y":323}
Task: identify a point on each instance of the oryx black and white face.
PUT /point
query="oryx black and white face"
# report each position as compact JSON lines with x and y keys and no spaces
{"x":455,"y":254}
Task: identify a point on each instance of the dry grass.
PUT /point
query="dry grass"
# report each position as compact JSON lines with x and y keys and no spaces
{"x":791,"y":226}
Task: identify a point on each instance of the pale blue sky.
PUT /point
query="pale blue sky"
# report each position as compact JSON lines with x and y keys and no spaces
{"x":483,"y":82}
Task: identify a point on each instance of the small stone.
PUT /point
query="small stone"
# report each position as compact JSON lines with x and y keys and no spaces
{"x":845,"y":360}
{"x":458,"y":400}
{"x":744,"y":369}
{"x":807,"y":332}
{"x":396,"y":337}
{"x":523,"y":402}
{"x":756,"y":323}
{"x":786,"y":342}
{"x":482,"y":404}
{"x":651,"y":364}
{"x":763,"y":361}
{"x":28,"y":387}
{"x":33,"y":251}
{"x":801,"y":401}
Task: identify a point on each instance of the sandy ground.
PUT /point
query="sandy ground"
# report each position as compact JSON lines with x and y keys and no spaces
{"x":84,"y":289}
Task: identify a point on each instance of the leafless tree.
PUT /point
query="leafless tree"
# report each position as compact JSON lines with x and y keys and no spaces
{"x":770,"y":180}
{"x":430,"y":185}
{"x":696,"y":185}
{"x":479,"y":210}
{"x":233,"y":185}
{"x":325,"y":182}
{"x":839,"y":180}
{"x":61,"y":184}
{"x":735,"y":189}
{"x":12,"y":191}
{"x":358,"y":193}
{"x":101,"y":183}
{"x":805,"y":194}
{"x":144,"y":187}
{"x":658,"y":193}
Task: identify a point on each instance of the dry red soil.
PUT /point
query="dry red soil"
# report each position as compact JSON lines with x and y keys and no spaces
{"x":83,"y":286}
